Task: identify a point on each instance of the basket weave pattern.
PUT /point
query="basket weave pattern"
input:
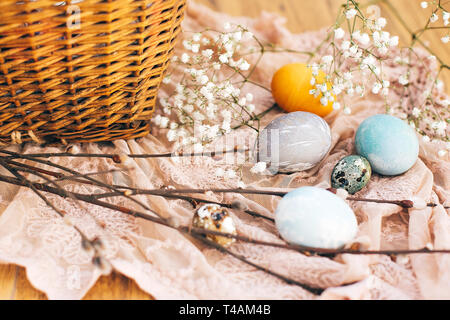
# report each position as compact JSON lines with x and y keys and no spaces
{"x":82,"y":70}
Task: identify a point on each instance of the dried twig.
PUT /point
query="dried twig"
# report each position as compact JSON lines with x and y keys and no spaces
{"x":191,"y":230}
{"x":51,"y":186}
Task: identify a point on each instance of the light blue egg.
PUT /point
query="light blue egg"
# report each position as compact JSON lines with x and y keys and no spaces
{"x":315,"y":217}
{"x":390,"y":145}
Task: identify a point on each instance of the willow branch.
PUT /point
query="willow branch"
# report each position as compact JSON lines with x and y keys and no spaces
{"x":116,"y":157}
{"x":192,"y":230}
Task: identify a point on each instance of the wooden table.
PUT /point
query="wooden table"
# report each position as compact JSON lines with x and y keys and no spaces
{"x":302,"y":15}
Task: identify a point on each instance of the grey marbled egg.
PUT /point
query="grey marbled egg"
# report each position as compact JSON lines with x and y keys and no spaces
{"x":216,"y":218}
{"x":295,"y":141}
{"x":351,"y":173}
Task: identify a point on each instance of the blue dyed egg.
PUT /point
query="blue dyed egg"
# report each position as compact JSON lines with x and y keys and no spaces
{"x":390,"y":145}
{"x":315,"y":217}
{"x":293,"y":142}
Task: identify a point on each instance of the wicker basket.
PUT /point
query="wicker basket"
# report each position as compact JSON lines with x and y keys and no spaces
{"x":82,"y":70}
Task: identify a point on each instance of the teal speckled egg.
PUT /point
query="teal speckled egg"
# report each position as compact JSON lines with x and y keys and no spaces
{"x":351,"y":173}
{"x":315,"y":217}
{"x":390,"y":145}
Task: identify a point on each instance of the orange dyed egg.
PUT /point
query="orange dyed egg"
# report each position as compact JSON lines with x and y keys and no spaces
{"x":290,"y":89}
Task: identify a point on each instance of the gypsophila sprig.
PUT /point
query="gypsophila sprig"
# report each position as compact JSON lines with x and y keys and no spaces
{"x":205,"y":106}
{"x":358,"y":47}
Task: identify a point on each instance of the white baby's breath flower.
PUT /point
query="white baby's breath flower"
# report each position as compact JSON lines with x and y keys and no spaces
{"x":349,"y":14}
{"x":259,"y":167}
{"x":442,"y":153}
{"x":188,"y":108}
{"x":380,"y":23}
{"x":208,"y":53}
{"x":434,"y":17}
{"x":376,"y":88}
{"x":171,"y":135}
{"x":229,"y":48}
{"x":230,"y":174}
{"x":197,"y":37}
{"x":327,"y":59}
{"x":402,"y":259}
{"x":393,"y":42}
{"x":416,"y":112}
{"x":348,"y":76}
{"x":336,"y":105}
{"x":220,"y":172}
{"x":198,"y":147}
{"x":185,"y":58}
{"x":347,"y":110}
{"x":243,"y":65}
{"x":403,"y":80}
{"x":339,"y":33}
{"x":242,"y":101}
{"x":166,"y":80}
{"x":314,"y":69}
{"x":164,"y":122}
{"x":440,"y":128}
{"x":364,"y":39}
{"x":203,"y":79}
{"x":251,"y":107}
{"x":223,"y":58}
{"x":187,"y":44}
{"x":345,"y":45}
{"x":241,"y":185}
{"x":445,"y":39}
{"x":324,"y":101}
{"x":424,"y":4}
{"x":353,"y":50}
{"x":336,"y":90}
{"x":237,"y":36}
{"x":195,"y":48}
{"x":445,"y":15}
{"x":359,"y":90}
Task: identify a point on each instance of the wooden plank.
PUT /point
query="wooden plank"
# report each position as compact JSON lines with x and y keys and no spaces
{"x":24,"y":290}
{"x":116,"y":287}
{"x":301,"y":16}
{"x":307,"y":15}
{"x":7,"y":281}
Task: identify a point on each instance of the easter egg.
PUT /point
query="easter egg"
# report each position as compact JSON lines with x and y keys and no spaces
{"x":213,"y":217}
{"x":293,"y":142}
{"x":314,"y":217}
{"x":290,"y":89}
{"x":351,"y":173}
{"x":390,"y":145}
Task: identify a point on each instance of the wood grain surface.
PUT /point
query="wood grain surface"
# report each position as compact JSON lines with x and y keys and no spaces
{"x":302,"y":15}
